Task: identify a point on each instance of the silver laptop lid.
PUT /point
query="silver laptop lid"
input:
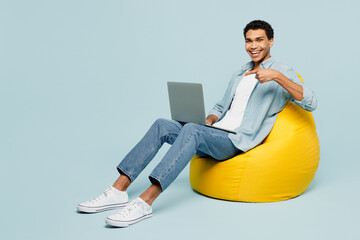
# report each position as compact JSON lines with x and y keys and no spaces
{"x":186,"y":102}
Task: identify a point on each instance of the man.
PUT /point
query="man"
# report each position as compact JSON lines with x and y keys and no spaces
{"x":249,"y":107}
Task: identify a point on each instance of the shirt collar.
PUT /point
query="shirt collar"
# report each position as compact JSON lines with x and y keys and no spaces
{"x":266,"y":64}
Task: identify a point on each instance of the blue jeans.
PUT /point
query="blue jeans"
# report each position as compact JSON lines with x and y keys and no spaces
{"x":186,"y":140}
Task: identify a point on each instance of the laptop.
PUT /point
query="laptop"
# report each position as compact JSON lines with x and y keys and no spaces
{"x":187,"y":103}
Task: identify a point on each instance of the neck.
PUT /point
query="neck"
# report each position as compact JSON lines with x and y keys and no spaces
{"x":257,"y":64}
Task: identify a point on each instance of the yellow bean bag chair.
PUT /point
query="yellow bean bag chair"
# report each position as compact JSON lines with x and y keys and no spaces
{"x":280,"y":168}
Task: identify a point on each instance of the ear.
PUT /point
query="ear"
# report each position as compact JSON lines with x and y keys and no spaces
{"x":271,"y":42}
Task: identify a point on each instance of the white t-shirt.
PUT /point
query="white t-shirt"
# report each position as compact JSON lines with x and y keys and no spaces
{"x":235,"y":114}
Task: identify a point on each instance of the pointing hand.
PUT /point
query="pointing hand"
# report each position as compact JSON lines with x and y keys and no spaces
{"x":263,"y":75}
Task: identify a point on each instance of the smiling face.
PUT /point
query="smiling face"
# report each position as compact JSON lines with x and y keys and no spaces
{"x":258,"y":45}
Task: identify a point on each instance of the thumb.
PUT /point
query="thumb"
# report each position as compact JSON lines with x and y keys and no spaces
{"x":250,"y":72}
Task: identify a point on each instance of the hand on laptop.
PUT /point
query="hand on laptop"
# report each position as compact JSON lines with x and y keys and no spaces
{"x":211,"y":119}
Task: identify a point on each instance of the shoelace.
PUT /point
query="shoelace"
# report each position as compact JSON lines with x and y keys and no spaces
{"x":104,"y":194}
{"x":129,"y":208}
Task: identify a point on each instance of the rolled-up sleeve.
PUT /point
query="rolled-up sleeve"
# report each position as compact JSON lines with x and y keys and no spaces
{"x":217,"y":110}
{"x":309,"y":101}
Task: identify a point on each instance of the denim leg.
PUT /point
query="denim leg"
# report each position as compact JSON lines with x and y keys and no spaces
{"x":191,"y":139}
{"x":139,"y":157}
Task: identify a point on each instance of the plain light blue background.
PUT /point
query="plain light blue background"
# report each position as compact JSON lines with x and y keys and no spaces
{"x":81,"y":82}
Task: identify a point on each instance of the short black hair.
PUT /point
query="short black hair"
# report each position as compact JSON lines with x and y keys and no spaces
{"x":260,"y":24}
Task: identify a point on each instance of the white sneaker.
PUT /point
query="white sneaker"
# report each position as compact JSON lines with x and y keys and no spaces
{"x":135,"y":211}
{"x":110,"y":199}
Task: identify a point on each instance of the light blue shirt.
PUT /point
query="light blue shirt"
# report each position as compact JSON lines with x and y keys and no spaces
{"x":265,"y":102}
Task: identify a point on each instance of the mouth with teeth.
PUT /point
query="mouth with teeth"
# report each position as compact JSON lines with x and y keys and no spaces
{"x":255,"y":54}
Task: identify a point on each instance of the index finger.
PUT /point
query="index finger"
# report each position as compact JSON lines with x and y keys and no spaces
{"x":250,"y":72}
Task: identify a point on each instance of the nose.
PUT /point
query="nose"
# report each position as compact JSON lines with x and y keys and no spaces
{"x":253,"y":45}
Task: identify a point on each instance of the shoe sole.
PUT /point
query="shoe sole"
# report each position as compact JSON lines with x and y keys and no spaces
{"x":116,"y":223}
{"x":100,"y":209}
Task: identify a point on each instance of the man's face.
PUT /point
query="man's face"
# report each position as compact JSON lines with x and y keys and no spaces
{"x":258,"y":45}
